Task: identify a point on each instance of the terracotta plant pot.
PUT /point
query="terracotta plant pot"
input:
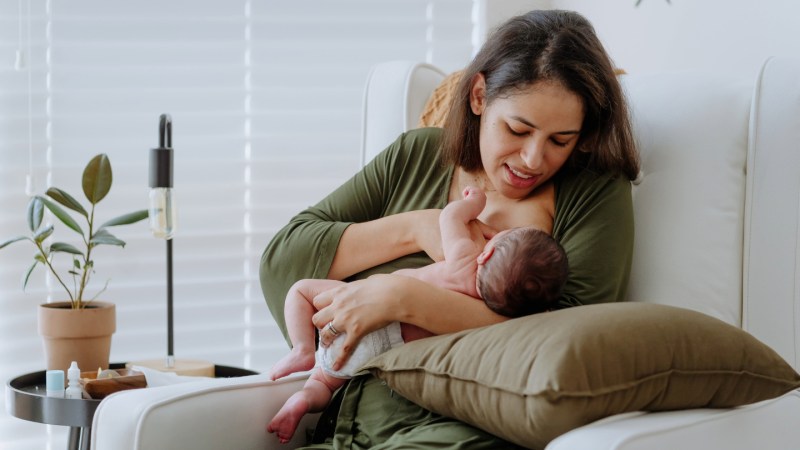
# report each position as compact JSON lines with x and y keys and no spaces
{"x":82,"y":335}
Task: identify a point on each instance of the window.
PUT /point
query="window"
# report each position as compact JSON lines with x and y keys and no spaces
{"x":265,"y":99}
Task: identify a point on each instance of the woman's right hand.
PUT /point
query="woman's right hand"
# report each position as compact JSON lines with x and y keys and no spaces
{"x":356,"y":309}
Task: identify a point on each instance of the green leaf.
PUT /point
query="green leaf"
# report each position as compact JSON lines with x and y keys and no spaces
{"x":127,"y":219}
{"x":35,"y":213}
{"x":39,"y":258}
{"x":65,"y":248}
{"x":97,"y":178}
{"x":11,"y":241}
{"x":28,"y":274}
{"x":66,"y":200}
{"x":62,"y":215}
{"x":43,"y":234}
{"x":76,"y":264}
{"x":103,"y":237}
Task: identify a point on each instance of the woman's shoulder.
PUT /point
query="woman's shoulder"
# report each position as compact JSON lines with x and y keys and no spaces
{"x":584,"y":182}
{"x":417,"y":147}
{"x":421,"y":139}
{"x":580,"y":189}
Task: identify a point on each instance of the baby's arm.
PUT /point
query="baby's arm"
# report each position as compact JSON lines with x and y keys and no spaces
{"x":457,"y":240}
{"x":462,"y":242}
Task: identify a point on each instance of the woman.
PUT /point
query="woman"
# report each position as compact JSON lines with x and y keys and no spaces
{"x":540,"y":123}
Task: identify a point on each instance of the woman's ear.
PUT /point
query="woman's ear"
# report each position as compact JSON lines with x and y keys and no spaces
{"x":477,"y":94}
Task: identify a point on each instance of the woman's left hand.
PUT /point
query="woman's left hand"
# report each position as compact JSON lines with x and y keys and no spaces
{"x":356,"y":308}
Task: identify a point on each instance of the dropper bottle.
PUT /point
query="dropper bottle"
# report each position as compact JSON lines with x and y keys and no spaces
{"x":74,"y":379}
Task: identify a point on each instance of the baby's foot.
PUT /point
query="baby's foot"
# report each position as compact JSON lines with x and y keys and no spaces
{"x":297,"y":360}
{"x":285,"y":422}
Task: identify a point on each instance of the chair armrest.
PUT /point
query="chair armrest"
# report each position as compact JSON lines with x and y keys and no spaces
{"x":208,"y":414}
{"x":767,"y":425}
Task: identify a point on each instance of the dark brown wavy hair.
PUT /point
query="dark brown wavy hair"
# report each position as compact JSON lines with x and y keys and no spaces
{"x":548,"y":45}
{"x":525,"y":275}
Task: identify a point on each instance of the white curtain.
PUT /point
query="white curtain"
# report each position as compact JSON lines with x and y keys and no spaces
{"x":265,"y":100}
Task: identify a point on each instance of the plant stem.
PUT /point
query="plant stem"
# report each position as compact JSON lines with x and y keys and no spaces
{"x":53,"y":271}
{"x":86,"y":268}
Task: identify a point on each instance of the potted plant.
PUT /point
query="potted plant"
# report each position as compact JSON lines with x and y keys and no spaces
{"x":79,"y":329}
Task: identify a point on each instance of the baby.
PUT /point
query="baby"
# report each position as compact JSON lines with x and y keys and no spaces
{"x":518,"y":272}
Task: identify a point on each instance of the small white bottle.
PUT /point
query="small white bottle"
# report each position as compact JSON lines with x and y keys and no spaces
{"x":74,"y":381}
{"x":54,"y":386}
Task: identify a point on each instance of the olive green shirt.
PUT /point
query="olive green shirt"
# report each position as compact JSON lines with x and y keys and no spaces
{"x":593,"y":223}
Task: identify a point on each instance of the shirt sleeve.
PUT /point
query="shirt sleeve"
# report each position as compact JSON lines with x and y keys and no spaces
{"x":404,"y":177}
{"x":594,"y":224}
{"x":305,"y":247}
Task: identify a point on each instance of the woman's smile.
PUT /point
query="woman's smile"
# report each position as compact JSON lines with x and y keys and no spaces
{"x":520,"y":178}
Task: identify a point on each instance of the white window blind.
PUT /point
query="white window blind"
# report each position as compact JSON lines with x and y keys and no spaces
{"x":265,"y":99}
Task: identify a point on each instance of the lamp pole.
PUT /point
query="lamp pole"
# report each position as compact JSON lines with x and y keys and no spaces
{"x":162,"y":211}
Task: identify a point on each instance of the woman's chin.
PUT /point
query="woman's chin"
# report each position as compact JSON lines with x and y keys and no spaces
{"x":515,"y":193}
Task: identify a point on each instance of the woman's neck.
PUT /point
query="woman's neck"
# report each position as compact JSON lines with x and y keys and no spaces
{"x":462,"y":179}
{"x":536,"y":210}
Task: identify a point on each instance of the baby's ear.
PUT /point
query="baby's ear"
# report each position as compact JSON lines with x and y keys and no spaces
{"x":485,"y":255}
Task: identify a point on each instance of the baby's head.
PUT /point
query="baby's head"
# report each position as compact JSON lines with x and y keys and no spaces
{"x":521,"y":271}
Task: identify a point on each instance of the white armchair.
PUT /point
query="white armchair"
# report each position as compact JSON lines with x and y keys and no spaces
{"x":721,"y":158}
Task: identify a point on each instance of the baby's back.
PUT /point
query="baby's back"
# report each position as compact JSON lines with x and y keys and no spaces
{"x":456,"y":276}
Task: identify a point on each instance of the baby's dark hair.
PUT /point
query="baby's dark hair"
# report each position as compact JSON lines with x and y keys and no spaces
{"x":525,"y":275}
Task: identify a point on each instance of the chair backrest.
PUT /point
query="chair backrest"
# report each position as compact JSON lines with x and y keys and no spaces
{"x":394,"y":97}
{"x":689,"y":203}
{"x":717,"y":207}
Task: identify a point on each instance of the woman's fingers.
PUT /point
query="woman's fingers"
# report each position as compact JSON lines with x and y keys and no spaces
{"x":322,"y":301}
{"x":327,"y":334}
{"x":355,"y":308}
{"x":346,"y":349}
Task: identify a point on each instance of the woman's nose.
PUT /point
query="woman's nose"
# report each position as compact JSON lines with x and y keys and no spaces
{"x":533,"y":153}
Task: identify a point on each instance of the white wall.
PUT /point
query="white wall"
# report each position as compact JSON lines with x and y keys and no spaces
{"x":491,"y":13}
{"x":731,"y":35}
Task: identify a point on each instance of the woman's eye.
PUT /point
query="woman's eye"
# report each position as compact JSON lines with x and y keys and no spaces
{"x":515,"y":132}
{"x":559,"y":143}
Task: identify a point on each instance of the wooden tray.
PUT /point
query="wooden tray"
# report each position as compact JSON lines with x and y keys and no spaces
{"x":100,"y":388}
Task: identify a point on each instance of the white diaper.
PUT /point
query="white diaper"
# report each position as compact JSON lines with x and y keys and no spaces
{"x":370,"y":346}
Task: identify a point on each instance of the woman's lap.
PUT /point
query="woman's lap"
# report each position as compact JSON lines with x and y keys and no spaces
{"x":372,"y":416}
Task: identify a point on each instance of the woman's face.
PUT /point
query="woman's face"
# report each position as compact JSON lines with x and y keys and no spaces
{"x":526,"y":137}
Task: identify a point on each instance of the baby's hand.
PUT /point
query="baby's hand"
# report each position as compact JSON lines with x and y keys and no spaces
{"x":471,"y":191}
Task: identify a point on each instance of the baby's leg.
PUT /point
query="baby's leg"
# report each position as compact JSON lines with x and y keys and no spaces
{"x":314,"y":397}
{"x":298,"y":310}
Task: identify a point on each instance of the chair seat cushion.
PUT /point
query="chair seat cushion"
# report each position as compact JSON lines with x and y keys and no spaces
{"x":531,"y":379}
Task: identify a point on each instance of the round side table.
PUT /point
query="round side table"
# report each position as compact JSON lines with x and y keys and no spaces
{"x":26,"y":399}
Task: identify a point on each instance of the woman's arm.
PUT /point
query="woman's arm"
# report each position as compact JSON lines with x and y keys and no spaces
{"x":372,"y":303}
{"x":368,"y":244}
{"x":373,"y":218}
